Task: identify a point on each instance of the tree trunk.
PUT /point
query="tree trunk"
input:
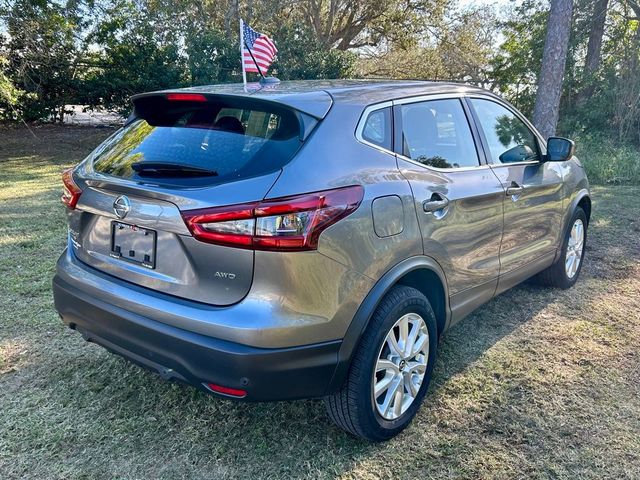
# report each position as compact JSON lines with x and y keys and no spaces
{"x":595,"y":36}
{"x":627,"y":98}
{"x":229,"y":17}
{"x":249,"y":10}
{"x":592,"y":62}
{"x":546,"y":111}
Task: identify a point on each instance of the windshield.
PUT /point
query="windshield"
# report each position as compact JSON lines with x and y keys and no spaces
{"x":232,"y":142}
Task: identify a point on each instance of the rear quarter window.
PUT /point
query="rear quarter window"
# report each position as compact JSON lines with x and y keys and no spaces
{"x":376,"y":128}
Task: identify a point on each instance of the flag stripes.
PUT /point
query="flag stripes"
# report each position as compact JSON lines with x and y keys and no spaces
{"x":258,"y":50}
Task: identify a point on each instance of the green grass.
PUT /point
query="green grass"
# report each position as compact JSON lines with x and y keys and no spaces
{"x":539,"y":383}
{"x":608,"y":162}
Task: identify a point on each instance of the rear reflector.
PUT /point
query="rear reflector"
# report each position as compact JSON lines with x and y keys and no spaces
{"x":186,"y":97}
{"x":232,"y":392}
{"x":70,"y":191}
{"x":282,"y":224}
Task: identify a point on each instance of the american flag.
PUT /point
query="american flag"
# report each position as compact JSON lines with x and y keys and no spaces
{"x":262,"y":48}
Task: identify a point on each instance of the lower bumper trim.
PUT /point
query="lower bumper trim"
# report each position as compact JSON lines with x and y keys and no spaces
{"x":176,"y":354}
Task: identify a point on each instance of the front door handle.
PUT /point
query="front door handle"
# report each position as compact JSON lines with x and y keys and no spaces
{"x":435,"y":203}
{"x":514,"y":189}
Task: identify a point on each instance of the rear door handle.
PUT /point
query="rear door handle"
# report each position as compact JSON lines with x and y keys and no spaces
{"x":435,"y":203}
{"x":514,"y":189}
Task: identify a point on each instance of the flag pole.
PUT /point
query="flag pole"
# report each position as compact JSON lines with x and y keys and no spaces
{"x":255,"y":63}
{"x":244,"y":73}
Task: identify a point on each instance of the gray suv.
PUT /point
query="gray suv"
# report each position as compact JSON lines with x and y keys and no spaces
{"x":313,"y":239}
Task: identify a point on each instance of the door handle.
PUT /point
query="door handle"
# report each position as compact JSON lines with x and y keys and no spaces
{"x":435,"y":203}
{"x":514,"y":189}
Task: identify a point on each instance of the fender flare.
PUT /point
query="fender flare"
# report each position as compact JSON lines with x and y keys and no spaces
{"x":582,"y":193}
{"x":368,"y":306}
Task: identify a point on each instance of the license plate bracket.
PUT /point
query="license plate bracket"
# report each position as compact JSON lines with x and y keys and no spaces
{"x":133,"y":244}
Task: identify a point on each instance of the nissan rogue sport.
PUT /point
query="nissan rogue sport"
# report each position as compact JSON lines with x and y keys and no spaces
{"x":313,"y":239}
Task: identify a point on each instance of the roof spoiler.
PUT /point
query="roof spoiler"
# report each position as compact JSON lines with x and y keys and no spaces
{"x":316,"y":104}
{"x":147,"y":105}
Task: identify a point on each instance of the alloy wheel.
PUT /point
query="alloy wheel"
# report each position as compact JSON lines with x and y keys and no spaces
{"x":401,"y":366}
{"x":574,"y":249}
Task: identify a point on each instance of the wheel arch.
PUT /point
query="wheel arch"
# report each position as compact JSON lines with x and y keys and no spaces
{"x":584,"y":202}
{"x":420,"y":272}
{"x":431,"y":286}
{"x":581,"y":200}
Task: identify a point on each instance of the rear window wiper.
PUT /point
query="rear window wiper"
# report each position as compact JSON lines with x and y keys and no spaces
{"x":166,"y":169}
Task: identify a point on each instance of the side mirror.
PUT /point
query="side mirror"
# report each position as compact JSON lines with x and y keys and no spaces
{"x":560,"y":149}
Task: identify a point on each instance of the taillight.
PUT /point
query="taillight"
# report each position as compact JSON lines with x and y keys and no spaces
{"x":70,"y":191}
{"x":283,"y":224}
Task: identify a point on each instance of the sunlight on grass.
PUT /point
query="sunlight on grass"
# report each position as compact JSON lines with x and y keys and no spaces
{"x":601,"y":222}
{"x":7,"y":240}
{"x":11,"y":353}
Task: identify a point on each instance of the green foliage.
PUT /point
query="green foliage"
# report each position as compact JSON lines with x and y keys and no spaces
{"x":133,"y":64}
{"x":100,"y":52}
{"x":139,"y":52}
{"x":452,"y":45}
{"x":606,"y":101}
{"x":43,"y":52}
{"x":211,"y":57}
{"x":608,"y":161}
{"x":516,"y":65}
{"x":301,"y":56}
{"x":9,"y":94}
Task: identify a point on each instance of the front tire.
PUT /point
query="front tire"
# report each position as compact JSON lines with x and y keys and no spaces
{"x":391,"y":369}
{"x":565,"y":271}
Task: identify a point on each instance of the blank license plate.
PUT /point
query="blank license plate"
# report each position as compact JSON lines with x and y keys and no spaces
{"x":133,"y":244}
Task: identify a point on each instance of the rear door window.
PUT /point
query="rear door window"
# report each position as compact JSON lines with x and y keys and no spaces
{"x":229,"y":141}
{"x":436,"y":133}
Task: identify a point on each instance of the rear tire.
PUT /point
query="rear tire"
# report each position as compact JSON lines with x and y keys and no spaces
{"x":387,"y":381}
{"x":565,"y":271}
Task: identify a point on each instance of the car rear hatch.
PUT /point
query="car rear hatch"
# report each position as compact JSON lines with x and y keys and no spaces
{"x":181,"y":152}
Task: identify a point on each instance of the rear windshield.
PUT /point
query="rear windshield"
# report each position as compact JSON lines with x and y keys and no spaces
{"x":228,"y":140}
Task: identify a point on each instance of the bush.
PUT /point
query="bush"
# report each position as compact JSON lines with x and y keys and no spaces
{"x":608,"y":162}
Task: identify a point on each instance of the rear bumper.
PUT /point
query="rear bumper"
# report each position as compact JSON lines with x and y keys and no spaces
{"x":174,"y":353}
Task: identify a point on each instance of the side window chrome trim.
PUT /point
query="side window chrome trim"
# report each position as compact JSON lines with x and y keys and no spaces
{"x":482,"y":166}
{"x":426,"y":98}
{"x":363,"y":120}
{"x":527,"y":162}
